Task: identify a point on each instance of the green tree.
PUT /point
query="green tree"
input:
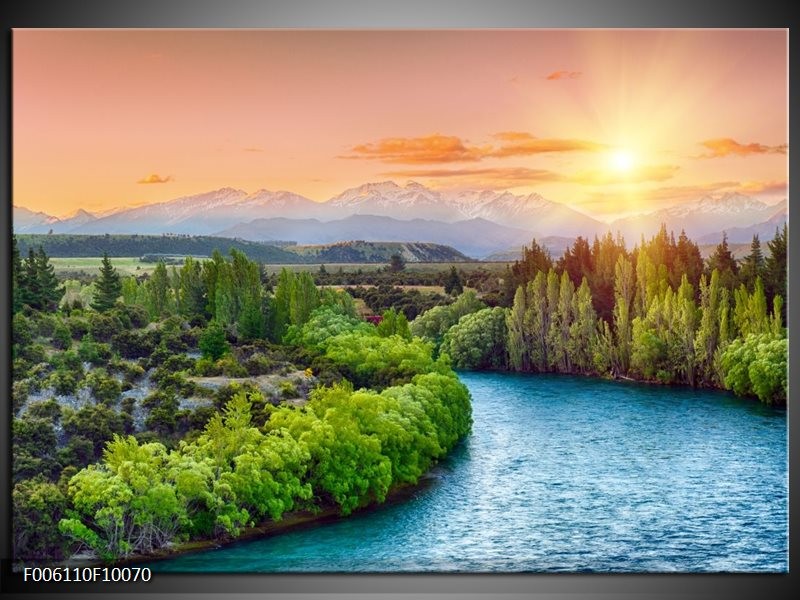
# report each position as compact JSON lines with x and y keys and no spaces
{"x":191,"y":289}
{"x":158,"y":291}
{"x":518,"y":335}
{"x":396,"y":263}
{"x":478,"y":340}
{"x":723,"y":261}
{"x":708,"y":336}
{"x":108,"y":286}
{"x":750,"y":310}
{"x":753,"y":265}
{"x":757,"y":365}
{"x":38,"y":506}
{"x":685,"y":325}
{"x":583,"y":330}
{"x":623,"y":294}
{"x":252,"y":323}
{"x":775,"y":268}
{"x":453,"y":284}
{"x":393,"y":323}
{"x":213,"y":343}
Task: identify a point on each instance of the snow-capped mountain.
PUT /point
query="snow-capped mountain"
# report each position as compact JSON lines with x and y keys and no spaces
{"x":202,"y":213}
{"x":387,"y":199}
{"x":232,"y":210}
{"x":28,"y":221}
{"x":76,"y":219}
{"x":707,"y":215}
{"x":531,"y":212}
{"x":744,"y":235}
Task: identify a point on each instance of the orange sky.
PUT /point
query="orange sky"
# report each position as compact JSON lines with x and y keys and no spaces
{"x":608,"y":122}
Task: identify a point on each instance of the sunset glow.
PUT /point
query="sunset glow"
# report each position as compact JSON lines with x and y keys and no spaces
{"x":607,"y":122}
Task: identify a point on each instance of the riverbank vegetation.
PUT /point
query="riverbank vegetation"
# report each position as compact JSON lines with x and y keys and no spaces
{"x":196,"y":400}
{"x":658,"y":313}
{"x":120,"y":445}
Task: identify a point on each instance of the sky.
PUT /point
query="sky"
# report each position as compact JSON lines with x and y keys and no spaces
{"x":609,"y":122}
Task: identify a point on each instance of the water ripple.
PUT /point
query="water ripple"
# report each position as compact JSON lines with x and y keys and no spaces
{"x":569,"y":474}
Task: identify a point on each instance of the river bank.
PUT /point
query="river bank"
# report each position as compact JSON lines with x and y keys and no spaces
{"x":291,"y":521}
{"x":568,"y":474}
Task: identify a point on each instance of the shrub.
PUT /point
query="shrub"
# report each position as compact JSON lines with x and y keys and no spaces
{"x":104,"y":387}
{"x":62,"y":338}
{"x":231,"y":367}
{"x":258,"y":364}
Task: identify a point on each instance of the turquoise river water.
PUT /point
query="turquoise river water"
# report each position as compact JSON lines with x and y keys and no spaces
{"x":567,"y":474}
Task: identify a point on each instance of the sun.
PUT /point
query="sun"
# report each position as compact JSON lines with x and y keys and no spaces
{"x":622,"y":160}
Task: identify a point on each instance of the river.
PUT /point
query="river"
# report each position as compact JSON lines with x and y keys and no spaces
{"x":568,"y":474}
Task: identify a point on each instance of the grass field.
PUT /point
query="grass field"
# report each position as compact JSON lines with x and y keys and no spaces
{"x":131,"y":265}
{"x":128,"y":265}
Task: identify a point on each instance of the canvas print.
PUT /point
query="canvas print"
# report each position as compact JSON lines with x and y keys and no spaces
{"x":400,"y":300}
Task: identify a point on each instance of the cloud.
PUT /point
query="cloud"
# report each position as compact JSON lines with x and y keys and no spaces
{"x":520,"y":143}
{"x":720,"y":147}
{"x":155,"y":178}
{"x":439,"y":148}
{"x":429,"y":149}
{"x":556,"y":75}
{"x":766,"y":188}
{"x":253,"y":149}
{"x":513,"y":176}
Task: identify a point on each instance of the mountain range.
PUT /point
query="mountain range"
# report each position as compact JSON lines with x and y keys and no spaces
{"x":475,"y":222}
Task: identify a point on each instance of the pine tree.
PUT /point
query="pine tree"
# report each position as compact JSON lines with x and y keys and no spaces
{"x":722,"y":260}
{"x":753,"y":265}
{"x":452,"y":284}
{"x":687,"y":261}
{"x":577,"y":261}
{"x":51,"y":291}
{"x":108,"y":286}
{"x":30,"y":285}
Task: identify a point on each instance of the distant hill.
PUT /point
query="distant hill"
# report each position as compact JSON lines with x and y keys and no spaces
{"x":554,"y":244}
{"x":73,"y":246}
{"x":708,"y":215}
{"x":377,"y":252}
{"x":741,"y":235}
{"x":473,"y":237}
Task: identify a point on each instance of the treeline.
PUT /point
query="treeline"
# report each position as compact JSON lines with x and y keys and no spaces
{"x":721,"y":332}
{"x":117,"y":245}
{"x":670,"y":258}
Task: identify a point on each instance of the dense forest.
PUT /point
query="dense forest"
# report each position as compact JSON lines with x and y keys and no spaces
{"x":658,"y":313}
{"x":348,"y":410}
{"x":193,"y":402}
